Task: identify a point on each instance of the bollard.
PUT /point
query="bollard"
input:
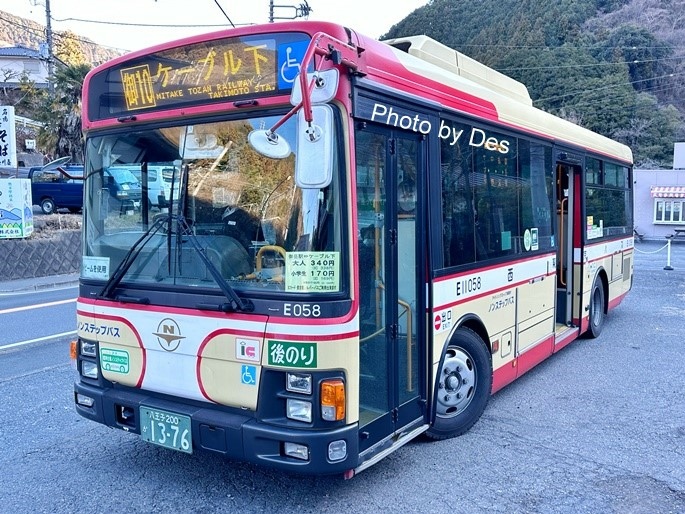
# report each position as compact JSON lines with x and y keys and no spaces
{"x":668,"y":266}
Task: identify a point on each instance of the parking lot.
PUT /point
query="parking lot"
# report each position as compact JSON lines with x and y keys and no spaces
{"x":597,"y":428}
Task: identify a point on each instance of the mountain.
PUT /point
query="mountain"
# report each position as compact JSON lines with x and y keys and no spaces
{"x":614,"y":66}
{"x":16,"y":31}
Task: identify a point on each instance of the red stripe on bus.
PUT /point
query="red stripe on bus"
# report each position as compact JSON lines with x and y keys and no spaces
{"x":255,"y":318}
{"x":315,"y":337}
{"x":494,"y":266}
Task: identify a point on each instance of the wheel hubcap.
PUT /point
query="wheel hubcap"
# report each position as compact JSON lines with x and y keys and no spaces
{"x":456,"y":383}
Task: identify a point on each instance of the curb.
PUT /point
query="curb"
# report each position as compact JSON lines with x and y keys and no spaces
{"x":39,"y":283}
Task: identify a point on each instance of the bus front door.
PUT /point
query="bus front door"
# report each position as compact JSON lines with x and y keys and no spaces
{"x":389,"y":250}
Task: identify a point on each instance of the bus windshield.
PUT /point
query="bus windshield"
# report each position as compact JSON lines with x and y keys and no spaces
{"x":242,"y":210}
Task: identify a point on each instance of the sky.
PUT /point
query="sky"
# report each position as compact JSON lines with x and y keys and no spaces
{"x":370,"y":17}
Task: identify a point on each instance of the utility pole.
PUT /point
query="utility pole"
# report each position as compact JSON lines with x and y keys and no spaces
{"x":51,"y":61}
{"x":301,"y":11}
{"x":48,"y":43}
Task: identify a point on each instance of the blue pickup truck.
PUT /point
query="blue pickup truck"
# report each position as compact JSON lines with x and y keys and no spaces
{"x":57,"y":187}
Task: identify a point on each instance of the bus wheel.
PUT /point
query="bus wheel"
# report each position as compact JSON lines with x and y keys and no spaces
{"x":597,"y":315}
{"x":463,"y":385}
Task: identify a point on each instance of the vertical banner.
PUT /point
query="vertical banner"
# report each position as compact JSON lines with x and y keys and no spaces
{"x":8,"y":140}
{"x":16,"y":209}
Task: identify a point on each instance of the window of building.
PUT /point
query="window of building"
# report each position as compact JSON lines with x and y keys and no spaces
{"x":669,"y":211}
{"x":32,"y":67}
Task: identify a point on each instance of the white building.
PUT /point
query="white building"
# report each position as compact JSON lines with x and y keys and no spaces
{"x":660,"y":199}
{"x":17,"y":61}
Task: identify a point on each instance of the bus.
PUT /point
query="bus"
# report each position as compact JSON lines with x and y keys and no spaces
{"x":363,"y":241}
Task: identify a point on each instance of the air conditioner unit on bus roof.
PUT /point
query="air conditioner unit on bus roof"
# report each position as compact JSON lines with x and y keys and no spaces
{"x":440,"y":55}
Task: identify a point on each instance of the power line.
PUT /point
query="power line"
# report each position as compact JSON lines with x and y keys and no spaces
{"x":222,"y":10}
{"x":599,"y":64}
{"x":153,"y":25}
{"x":59,"y":33}
{"x":611,"y":86}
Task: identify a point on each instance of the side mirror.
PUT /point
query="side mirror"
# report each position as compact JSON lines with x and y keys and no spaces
{"x":313,"y":166}
{"x":325,"y":87}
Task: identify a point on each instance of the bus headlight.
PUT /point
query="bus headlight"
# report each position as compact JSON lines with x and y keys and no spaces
{"x":89,"y":369}
{"x":86,"y":401}
{"x":299,"y":410}
{"x":298,"y":383}
{"x":88,"y":348}
{"x":333,"y":399}
{"x":297,"y":451}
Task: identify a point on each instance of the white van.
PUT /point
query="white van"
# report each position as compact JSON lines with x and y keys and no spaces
{"x":159,"y":183}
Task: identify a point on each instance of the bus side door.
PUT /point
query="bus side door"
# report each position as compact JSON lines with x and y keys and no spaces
{"x":390,"y":248}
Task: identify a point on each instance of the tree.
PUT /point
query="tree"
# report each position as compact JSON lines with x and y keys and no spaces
{"x":68,"y":49}
{"x":651,"y":131}
{"x":61,"y":114}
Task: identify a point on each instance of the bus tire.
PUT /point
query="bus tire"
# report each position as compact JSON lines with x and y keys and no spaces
{"x":463,"y":387}
{"x":597,"y":314}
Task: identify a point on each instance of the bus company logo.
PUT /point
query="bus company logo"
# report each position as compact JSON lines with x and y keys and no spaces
{"x":168,"y":335}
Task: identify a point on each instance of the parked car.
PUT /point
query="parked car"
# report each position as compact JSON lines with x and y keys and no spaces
{"x":57,"y":185}
{"x":124,"y":188}
{"x":158,"y":183}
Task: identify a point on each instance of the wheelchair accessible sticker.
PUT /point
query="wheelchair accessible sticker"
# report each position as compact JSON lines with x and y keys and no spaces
{"x":290,"y":57}
{"x":248,"y":375}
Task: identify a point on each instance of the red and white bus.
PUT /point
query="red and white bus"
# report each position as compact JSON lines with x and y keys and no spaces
{"x":345,"y":258}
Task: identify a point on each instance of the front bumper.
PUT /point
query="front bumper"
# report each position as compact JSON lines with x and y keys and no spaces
{"x":234,"y":435}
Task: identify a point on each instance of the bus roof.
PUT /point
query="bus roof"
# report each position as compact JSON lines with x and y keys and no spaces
{"x":429,"y":58}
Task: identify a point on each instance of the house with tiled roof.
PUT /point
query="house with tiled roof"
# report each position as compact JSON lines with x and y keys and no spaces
{"x":18,"y":61}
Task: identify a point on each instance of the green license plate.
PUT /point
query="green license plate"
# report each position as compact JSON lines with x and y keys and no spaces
{"x":166,"y":429}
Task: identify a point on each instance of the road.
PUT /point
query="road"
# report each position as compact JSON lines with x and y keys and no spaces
{"x":37,"y":315}
{"x":598,"y":428}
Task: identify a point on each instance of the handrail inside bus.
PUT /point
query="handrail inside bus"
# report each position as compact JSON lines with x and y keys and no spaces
{"x":562,"y":278}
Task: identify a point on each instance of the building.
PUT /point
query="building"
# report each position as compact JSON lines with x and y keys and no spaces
{"x":19,"y":61}
{"x":660,"y":199}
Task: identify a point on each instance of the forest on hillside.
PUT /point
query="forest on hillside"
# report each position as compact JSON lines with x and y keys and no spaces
{"x":613,"y":66}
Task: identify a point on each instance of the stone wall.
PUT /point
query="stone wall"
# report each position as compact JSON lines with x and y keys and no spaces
{"x":40,"y":256}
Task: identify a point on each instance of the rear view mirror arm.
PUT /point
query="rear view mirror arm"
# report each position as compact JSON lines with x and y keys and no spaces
{"x":338,"y":52}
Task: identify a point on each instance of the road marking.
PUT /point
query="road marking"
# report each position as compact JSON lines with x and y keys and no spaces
{"x":37,"y":306}
{"x":37,"y":340}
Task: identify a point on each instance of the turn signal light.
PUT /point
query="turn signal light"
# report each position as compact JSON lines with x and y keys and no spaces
{"x":73,"y":350}
{"x":333,"y":400}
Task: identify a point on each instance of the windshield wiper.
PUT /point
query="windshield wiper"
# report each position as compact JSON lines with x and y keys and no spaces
{"x":236,"y":303}
{"x":130,"y":257}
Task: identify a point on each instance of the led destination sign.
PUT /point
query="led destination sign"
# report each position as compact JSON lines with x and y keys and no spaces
{"x":203,"y":73}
